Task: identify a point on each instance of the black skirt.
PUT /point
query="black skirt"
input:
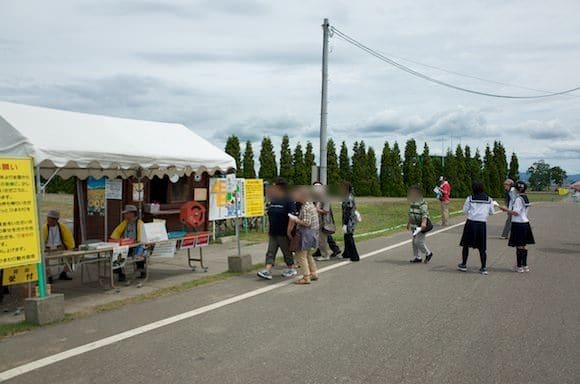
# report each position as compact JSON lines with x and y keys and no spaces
{"x":474,"y":235}
{"x":521,"y":235}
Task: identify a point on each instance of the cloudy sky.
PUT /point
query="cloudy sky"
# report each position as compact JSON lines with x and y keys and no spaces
{"x":253,"y":68}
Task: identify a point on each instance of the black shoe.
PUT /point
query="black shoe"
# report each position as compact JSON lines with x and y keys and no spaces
{"x":64,"y":276}
{"x":335,"y":253}
{"x":428,"y":257}
{"x":355,"y":259}
{"x":142,"y":275}
{"x":122,"y":277}
{"x":416,"y":260}
{"x":317,"y":253}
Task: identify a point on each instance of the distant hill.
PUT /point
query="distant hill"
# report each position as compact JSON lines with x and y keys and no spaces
{"x":570,"y":179}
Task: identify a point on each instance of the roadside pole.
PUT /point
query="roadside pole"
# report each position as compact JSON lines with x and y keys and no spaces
{"x":40,"y":266}
{"x":324,"y":102}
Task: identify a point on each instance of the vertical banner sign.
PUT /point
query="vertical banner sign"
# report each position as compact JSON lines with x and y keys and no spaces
{"x":19,"y":228}
{"x":96,"y":196}
{"x":254,"y":197}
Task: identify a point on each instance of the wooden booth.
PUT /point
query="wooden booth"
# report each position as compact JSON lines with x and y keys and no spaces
{"x":156,"y":198}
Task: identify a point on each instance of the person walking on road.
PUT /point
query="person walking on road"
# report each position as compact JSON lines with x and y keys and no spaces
{"x":521,"y":232}
{"x":307,"y":227}
{"x":510,"y":196}
{"x":349,"y":221}
{"x":477,"y":208}
{"x":279,"y":229}
{"x":327,"y":225}
{"x":419,"y":224}
{"x":445,"y":190}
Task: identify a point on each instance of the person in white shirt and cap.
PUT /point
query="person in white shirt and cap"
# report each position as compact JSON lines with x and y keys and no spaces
{"x":57,"y":237}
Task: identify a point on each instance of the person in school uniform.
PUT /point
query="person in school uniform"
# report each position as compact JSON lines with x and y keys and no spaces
{"x":510,"y":196}
{"x":57,"y":237}
{"x":477,"y":208}
{"x":521,"y":233}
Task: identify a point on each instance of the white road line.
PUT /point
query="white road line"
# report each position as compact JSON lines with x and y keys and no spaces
{"x":40,"y":363}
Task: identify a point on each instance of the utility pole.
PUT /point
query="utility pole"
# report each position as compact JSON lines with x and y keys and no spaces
{"x":324,"y":102}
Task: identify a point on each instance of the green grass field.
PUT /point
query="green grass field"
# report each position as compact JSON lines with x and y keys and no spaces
{"x":379,"y":213}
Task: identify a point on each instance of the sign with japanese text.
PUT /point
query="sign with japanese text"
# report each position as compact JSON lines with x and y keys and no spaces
{"x":226,"y":198}
{"x":114,"y":189}
{"x":20,"y":275}
{"x":19,"y":228}
{"x":254,"y":197}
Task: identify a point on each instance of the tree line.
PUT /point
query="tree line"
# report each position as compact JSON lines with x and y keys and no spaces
{"x":396,"y":172}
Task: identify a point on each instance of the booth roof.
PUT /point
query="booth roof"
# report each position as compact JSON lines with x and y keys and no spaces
{"x":82,"y":145}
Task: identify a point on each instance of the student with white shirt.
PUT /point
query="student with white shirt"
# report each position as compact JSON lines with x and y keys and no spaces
{"x":521,"y":233}
{"x":477,"y":208}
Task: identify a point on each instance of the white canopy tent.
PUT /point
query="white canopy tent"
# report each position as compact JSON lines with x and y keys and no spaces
{"x":83,"y":145}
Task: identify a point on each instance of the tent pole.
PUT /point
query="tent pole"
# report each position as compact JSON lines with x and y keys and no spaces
{"x":81,"y":205}
{"x":43,"y":186}
{"x":40,"y":266}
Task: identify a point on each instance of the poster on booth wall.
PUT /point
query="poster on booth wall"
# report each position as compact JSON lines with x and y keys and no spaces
{"x":96,"y":196}
{"x":20,"y":237}
{"x":114,"y":189}
{"x":254,"y":198}
{"x":226,"y":198}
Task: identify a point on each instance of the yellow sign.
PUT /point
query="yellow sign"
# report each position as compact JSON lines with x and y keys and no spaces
{"x":19,"y":231}
{"x":20,"y":275}
{"x":254,"y":197}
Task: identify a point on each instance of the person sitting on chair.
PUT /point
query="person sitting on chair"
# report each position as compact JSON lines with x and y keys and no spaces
{"x":57,"y":237}
{"x":130,"y":228}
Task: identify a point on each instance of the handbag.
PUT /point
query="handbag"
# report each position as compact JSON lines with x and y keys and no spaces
{"x":428,"y":227}
{"x":329,"y":227}
{"x":295,"y":241}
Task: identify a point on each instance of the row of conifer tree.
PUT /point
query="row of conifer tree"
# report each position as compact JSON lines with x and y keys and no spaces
{"x":389,"y":175}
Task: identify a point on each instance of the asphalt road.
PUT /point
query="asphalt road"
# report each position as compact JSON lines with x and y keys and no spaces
{"x":382,"y":320}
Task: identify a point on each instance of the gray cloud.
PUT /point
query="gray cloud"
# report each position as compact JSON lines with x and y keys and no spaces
{"x":461,"y":122}
{"x":252,"y":67}
{"x":277,"y":56}
{"x":139,"y":7}
{"x":255,"y":128}
{"x":544,"y":130}
{"x":131,"y":96}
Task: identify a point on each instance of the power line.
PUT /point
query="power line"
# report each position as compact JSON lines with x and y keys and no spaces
{"x":468,"y":75}
{"x":413,"y":72}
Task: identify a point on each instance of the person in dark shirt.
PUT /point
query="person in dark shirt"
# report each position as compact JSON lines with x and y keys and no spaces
{"x":279,"y":229}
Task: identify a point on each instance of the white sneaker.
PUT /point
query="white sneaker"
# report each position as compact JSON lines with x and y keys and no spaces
{"x":526,"y":269}
{"x":322,"y":258}
{"x":265,"y":274}
{"x":290,"y":272}
{"x":519,"y":270}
